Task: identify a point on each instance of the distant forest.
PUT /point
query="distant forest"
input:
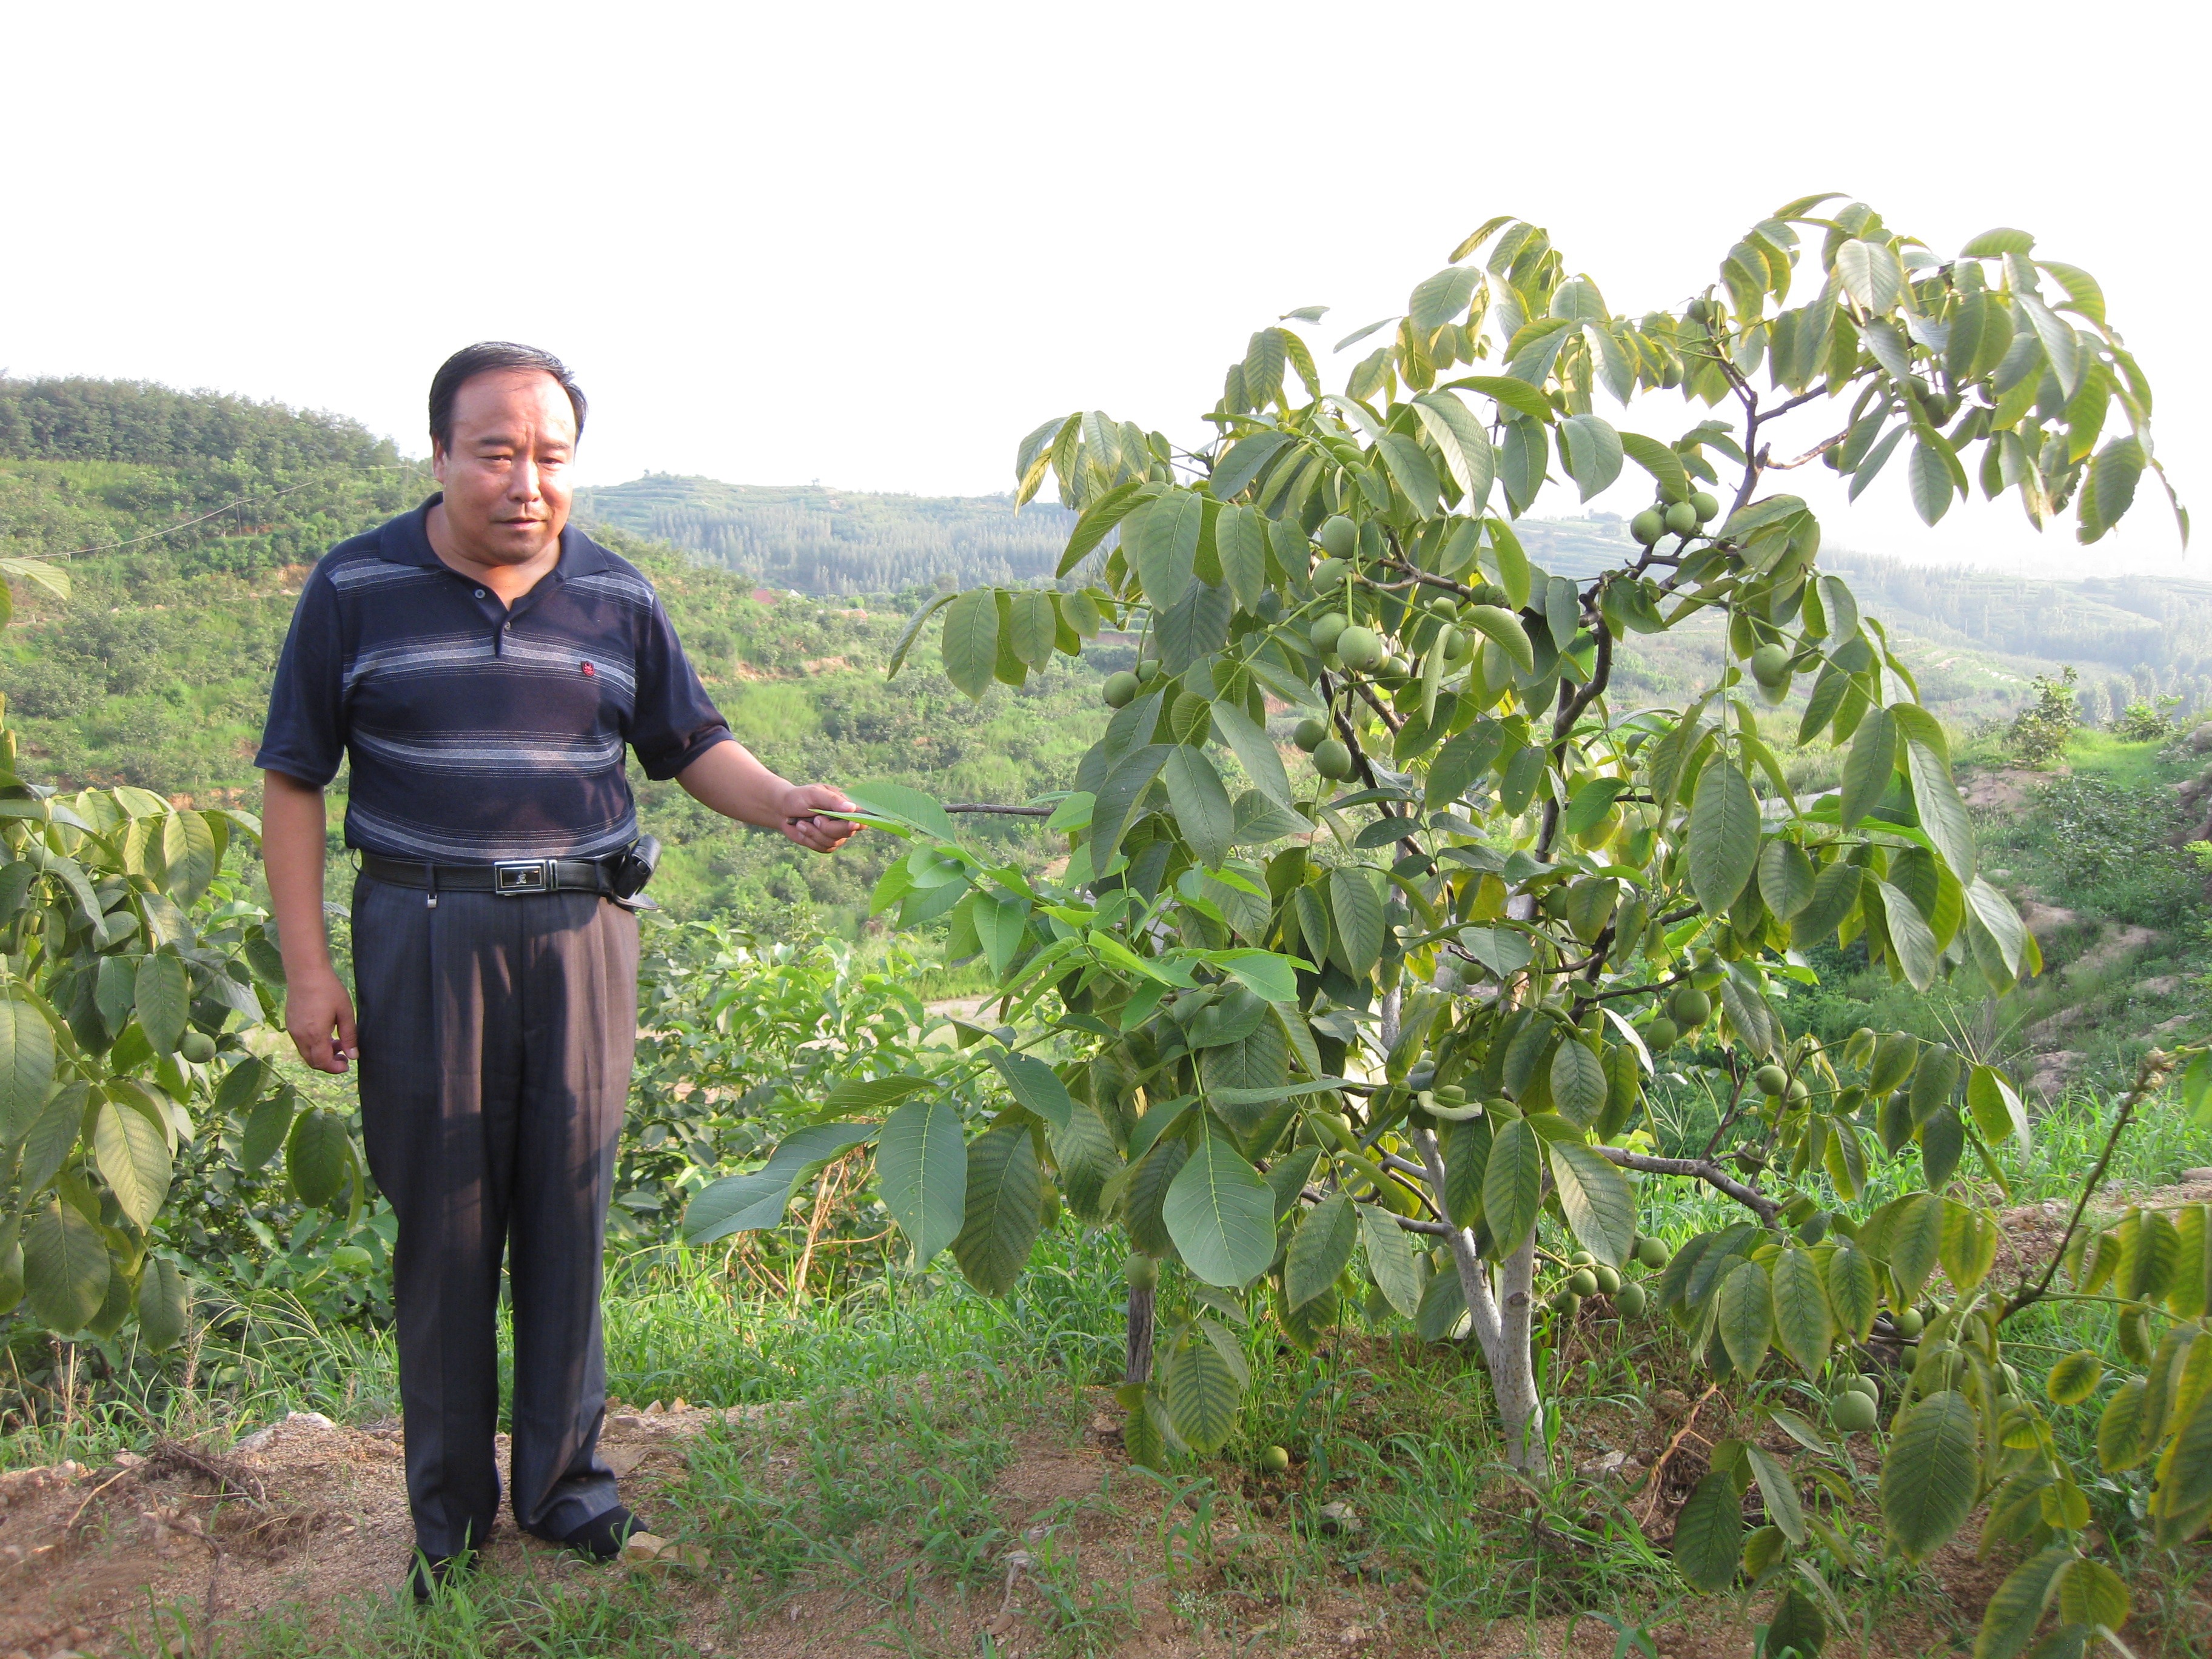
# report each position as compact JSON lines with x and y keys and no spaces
{"x":826,"y":541}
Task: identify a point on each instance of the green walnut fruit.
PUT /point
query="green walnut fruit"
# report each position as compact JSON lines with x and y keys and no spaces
{"x":1442,"y":604}
{"x":1705,"y":505}
{"x":1852,"y":1412}
{"x":1339,"y":537}
{"x":1662,"y":1034}
{"x":1771,"y":1079}
{"x":1688,"y":1005}
{"x":1143,"y":1273}
{"x":1583,"y":1282}
{"x":1455,"y":645}
{"x":1581,"y":1259}
{"x":1867,"y":1385}
{"x":1770,"y":663}
{"x":1707,"y":973}
{"x":1275,"y":1461}
{"x":1362,"y":648}
{"x":1308,"y":734}
{"x":1682,"y":519}
{"x":1148,"y":671}
{"x":1649,"y":526}
{"x":1492,"y":594}
{"x":1121,"y":690}
{"x":1329,"y":572}
{"x":1333,"y":760}
{"x":1327,"y":633}
{"x":1450,"y":1094}
{"x":1631,"y":1299}
{"x":197,"y":1047}
{"x":1395,"y":668}
{"x":1651,"y":1252}
{"x":1608,"y":1279}
{"x":1799,"y":1092}
{"x":1910,"y":1323}
{"x":1566,"y":1304}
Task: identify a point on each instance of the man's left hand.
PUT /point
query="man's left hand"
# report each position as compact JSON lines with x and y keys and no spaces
{"x":803,"y":822}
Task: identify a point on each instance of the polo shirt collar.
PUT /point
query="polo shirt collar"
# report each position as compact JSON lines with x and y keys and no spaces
{"x":407,"y":541}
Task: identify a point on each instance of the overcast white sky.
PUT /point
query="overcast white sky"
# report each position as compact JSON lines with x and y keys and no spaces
{"x":876,"y":244}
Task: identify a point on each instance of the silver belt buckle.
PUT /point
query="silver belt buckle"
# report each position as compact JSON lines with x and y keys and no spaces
{"x":522,"y":876}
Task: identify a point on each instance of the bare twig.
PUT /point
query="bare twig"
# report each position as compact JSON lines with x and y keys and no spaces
{"x":1002,"y":812}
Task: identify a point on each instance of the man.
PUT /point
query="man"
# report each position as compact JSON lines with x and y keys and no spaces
{"x":484,"y":666}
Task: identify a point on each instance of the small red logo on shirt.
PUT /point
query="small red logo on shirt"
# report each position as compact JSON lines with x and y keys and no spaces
{"x":588,"y":669}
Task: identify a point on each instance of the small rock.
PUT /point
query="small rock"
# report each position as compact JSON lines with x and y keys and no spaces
{"x":645,"y":1549}
{"x":1671,"y":1403}
{"x":627,"y":1420}
{"x":1353,"y":1636}
{"x":129,"y":1460}
{"x":1339,"y":1518}
{"x":2196,"y":1175}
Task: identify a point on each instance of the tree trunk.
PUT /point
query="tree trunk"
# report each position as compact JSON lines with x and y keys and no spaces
{"x":1137,"y":1355}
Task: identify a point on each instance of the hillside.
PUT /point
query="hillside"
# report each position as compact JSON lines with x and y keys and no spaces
{"x":194,"y":517}
{"x":825,"y":541}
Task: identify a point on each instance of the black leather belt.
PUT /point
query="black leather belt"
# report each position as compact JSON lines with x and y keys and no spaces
{"x":511,"y":878}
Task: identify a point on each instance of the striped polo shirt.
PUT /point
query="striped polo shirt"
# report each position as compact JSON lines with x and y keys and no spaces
{"x":478,"y":732}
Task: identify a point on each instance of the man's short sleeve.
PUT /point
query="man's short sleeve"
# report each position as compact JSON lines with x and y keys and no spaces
{"x":675,"y":721}
{"x":306,"y":736}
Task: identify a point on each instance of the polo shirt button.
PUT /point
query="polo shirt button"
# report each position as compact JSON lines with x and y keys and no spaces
{"x":480,"y":593}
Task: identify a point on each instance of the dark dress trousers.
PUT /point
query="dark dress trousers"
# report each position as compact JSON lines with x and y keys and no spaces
{"x":496,"y":1029}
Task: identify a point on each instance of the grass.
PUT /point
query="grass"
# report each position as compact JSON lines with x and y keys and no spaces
{"x":905,"y":1399}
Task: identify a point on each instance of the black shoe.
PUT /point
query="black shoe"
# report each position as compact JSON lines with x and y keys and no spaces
{"x":604,"y":1536}
{"x":428,"y":1574}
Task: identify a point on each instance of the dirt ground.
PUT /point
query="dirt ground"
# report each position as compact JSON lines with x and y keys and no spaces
{"x":311,"y":1513}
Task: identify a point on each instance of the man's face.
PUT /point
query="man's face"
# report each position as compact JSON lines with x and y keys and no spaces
{"x":505,"y":473}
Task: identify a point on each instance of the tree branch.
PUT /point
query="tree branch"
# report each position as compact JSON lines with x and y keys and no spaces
{"x":1003,"y":811}
{"x":1704,"y":1169}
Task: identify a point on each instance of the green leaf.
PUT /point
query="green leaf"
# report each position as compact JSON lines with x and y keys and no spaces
{"x":1779,"y":1488}
{"x":1599,"y":1203}
{"x":1242,"y":462}
{"x":1591,"y":451}
{"x":1221,"y":1215}
{"x":318,"y":1156}
{"x":2090,"y":1593}
{"x":1942,"y":814}
{"x":744,"y":1202}
{"x":1997,"y":1110}
{"x":1356,"y":910}
{"x":1803,"y":1326}
{"x":1915,"y":941}
{"x":2009,"y":1622}
{"x":1458,"y":434}
{"x":266,"y":1127}
{"x":133,"y":1159}
{"x":1797,"y":1624}
{"x":1578,"y":1086}
{"x":1033,"y":624}
{"x":2074,"y":1377}
{"x":1163,"y":546}
{"x":921,"y":1169}
{"x":27,"y":1067}
{"x":1240,"y":539}
{"x":1005,"y":1208}
{"x":188,"y":856}
{"x":1503,"y":629}
{"x":1871,"y":274}
{"x":1744,"y":1314}
{"x":1785,"y":878}
{"x":164,"y":1000}
{"x":2120,"y":1440}
{"x":1442,"y":297}
{"x":1202,"y":1393}
{"x":1928,"y":1478}
{"x":164,"y":1305}
{"x":1118,"y":797}
{"x":1931,"y":481}
{"x":1036,"y":1084}
{"x":909,"y":634}
{"x":1390,"y":1259}
{"x":1870,"y":766}
{"x":1724,"y":834}
{"x":1512,"y":1186}
{"x":1661,"y":461}
{"x":65,"y":1267}
{"x":1320,"y":1249}
{"x":2110,"y":489}
{"x":1200,"y":803}
{"x":864,"y":1094}
{"x":970,"y":645}
{"x":1992,"y":243}
{"x":1854,"y":1292}
{"x":1709,"y":1532}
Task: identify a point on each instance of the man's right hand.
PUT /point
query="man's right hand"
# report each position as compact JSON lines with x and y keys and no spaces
{"x":318,"y":1015}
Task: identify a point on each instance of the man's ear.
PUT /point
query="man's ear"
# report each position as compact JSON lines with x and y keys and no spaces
{"x":437,"y":460}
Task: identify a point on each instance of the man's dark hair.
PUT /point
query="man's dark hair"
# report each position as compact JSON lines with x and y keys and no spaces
{"x":488,"y":358}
